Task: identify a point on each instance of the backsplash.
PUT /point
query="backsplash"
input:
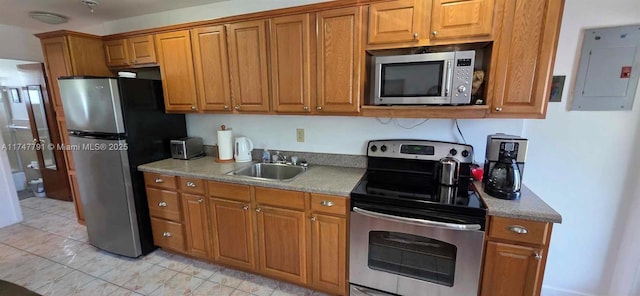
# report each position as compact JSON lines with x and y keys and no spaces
{"x":345,"y":135}
{"x":341,"y":160}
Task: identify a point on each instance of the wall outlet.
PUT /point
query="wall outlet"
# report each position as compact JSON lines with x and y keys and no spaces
{"x":300,"y":135}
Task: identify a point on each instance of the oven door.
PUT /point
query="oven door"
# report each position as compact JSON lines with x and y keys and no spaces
{"x":413,"y":79}
{"x":408,"y":256}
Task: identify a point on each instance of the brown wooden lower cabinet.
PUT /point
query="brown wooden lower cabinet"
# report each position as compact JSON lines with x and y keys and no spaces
{"x":511,"y":270}
{"x":282,"y":243}
{"x":328,"y":252}
{"x":196,"y":225}
{"x":168,"y":234}
{"x":232,"y":228}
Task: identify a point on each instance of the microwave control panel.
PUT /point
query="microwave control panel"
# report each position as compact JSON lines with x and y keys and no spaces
{"x":462,"y":77}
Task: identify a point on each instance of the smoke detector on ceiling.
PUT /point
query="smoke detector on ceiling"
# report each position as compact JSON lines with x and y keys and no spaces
{"x":48,"y":18}
{"x":90,"y":3}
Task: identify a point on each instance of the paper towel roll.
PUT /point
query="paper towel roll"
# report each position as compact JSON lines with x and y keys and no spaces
{"x":225,"y":145}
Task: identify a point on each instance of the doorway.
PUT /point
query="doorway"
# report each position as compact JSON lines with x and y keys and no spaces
{"x":29,"y":130}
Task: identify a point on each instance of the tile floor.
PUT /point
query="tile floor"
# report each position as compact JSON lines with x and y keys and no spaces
{"x":48,"y":253}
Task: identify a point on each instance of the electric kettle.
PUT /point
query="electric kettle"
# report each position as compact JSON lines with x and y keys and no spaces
{"x":243,"y":148}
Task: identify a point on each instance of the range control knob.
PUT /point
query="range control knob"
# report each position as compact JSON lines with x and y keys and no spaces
{"x":465,"y":153}
{"x":383,"y":148}
{"x":453,"y":152}
{"x":462,"y":88}
{"x":374,"y":148}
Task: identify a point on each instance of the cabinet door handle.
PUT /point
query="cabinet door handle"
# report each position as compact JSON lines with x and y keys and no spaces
{"x":191,"y":184}
{"x":415,"y":36}
{"x":319,"y":107}
{"x":194,"y":108}
{"x":162,"y":204}
{"x":200,"y":200}
{"x":518,"y":229}
{"x":236,"y":107}
{"x":538,"y":256}
{"x":434,"y":33}
{"x":313,"y":219}
{"x":305,"y":108}
{"x":258,"y":210}
{"x":166,"y":234}
{"x":498,"y":109}
{"x":327,"y":203}
{"x":226,"y":107}
{"x":245,"y":207}
{"x":158,"y":180}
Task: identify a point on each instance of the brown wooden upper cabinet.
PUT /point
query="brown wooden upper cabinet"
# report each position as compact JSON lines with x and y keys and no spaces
{"x":131,"y":51}
{"x":340,"y":60}
{"x":397,"y":21}
{"x":176,"y":67}
{"x":461,"y":18}
{"x":292,"y":58}
{"x":248,"y":65}
{"x":211,"y":68}
{"x":523,"y":57}
{"x":422,"y":22}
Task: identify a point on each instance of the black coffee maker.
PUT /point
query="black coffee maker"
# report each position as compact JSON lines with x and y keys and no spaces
{"x":504,"y":165}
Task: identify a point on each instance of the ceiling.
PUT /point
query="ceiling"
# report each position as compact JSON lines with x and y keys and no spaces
{"x":15,"y":12}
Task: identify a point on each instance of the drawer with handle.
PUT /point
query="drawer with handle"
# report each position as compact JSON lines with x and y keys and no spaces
{"x":167,"y":234}
{"x":191,"y":185}
{"x":518,"y":230}
{"x":163,"y":204}
{"x":160,"y":180}
{"x":329,"y":204}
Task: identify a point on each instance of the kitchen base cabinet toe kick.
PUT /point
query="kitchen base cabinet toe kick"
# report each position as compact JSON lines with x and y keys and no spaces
{"x":288,"y":235}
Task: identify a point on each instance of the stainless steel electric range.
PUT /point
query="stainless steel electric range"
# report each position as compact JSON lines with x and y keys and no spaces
{"x":417,"y":225}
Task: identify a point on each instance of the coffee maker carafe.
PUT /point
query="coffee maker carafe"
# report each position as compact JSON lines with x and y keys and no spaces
{"x":504,"y":165}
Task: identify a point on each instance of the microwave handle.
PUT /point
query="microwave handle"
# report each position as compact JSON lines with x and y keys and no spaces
{"x":419,"y":222}
{"x":448,"y":73}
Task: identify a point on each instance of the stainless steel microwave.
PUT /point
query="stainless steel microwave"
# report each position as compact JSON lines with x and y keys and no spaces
{"x":442,"y":78}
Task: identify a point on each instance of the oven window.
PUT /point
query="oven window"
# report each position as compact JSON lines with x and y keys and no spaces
{"x":412,"y":256}
{"x":419,"y":79}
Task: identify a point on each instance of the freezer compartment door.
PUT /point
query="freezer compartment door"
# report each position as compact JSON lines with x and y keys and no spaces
{"x":106,"y":194}
{"x":92,"y":104}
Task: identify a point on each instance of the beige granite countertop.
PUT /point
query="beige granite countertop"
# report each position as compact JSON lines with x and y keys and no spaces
{"x":317,"y":179}
{"x":529,"y":207}
{"x":340,"y":181}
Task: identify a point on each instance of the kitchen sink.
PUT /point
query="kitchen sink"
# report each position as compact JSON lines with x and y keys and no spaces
{"x":270,"y":171}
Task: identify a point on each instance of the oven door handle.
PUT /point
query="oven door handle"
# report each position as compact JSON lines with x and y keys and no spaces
{"x":419,"y":222}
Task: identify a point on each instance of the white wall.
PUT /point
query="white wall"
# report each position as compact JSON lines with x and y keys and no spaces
{"x":346,"y":135}
{"x":191,"y":14}
{"x":19,"y":44}
{"x":579,"y":162}
{"x":10,"y":210}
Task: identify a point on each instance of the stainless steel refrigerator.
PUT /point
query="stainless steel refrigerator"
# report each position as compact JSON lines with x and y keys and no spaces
{"x":114,"y":125}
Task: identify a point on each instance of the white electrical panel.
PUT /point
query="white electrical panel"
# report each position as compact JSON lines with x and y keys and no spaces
{"x":609,"y":69}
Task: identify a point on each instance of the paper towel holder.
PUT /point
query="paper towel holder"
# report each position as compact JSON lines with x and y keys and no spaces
{"x":217,"y":158}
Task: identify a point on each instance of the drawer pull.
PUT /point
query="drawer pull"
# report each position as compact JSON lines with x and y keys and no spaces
{"x":518,"y":229}
{"x":313,"y":219}
{"x":158,"y":180}
{"x":538,"y":256}
{"x":191,"y":184}
{"x":245,"y":207}
{"x":258,"y":210}
{"x":166,"y":234}
{"x":327,"y":203}
{"x":162,"y":204}
{"x":200,"y":200}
